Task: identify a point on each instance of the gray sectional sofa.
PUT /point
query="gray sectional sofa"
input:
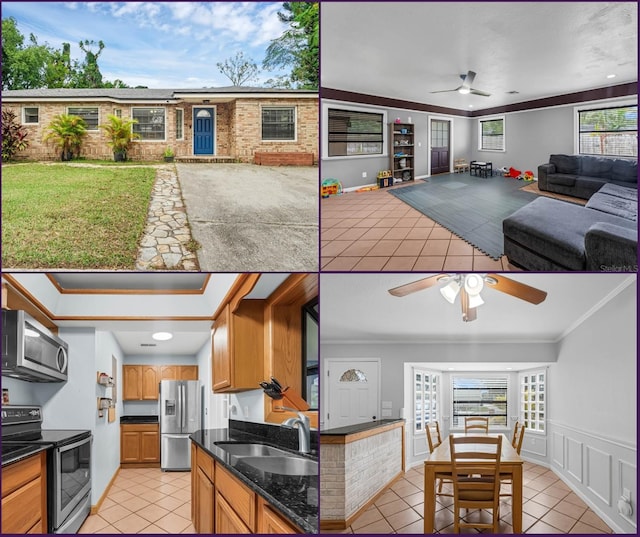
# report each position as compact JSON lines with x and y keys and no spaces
{"x":582,"y":176}
{"x":551,"y":235}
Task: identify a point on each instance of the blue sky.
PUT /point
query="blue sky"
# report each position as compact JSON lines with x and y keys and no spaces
{"x":156,"y":44}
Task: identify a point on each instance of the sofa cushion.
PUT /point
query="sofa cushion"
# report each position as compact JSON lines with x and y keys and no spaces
{"x":565,"y":163}
{"x":595,"y":166}
{"x":563,"y":179}
{"x":625,"y":170}
{"x":619,"y":191}
{"x":613,"y":205}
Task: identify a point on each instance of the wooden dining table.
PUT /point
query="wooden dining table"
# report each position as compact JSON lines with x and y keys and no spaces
{"x":440,"y":461}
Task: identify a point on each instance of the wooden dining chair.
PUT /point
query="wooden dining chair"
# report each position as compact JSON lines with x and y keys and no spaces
{"x":475,"y":463}
{"x":434,"y":440}
{"x":476,"y":424}
{"x":516,"y":442}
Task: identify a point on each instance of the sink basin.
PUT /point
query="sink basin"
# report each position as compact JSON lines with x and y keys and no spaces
{"x":283,"y":465}
{"x":251,"y":450}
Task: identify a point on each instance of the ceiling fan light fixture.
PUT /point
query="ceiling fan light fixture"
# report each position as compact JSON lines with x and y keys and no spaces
{"x":450,"y":291}
{"x":475,"y":301}
{"x":473,"y":284}
{"x":464,"y":91}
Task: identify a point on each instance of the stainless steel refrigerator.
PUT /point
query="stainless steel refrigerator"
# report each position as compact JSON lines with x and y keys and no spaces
{"x":179,"y":417}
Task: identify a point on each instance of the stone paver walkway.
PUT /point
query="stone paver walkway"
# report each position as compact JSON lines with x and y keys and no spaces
{"x":166,"y":242}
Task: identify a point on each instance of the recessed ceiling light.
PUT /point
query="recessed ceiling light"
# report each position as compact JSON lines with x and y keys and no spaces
{"x":451,"y":368}
{"x":611,"y":76}
{"x":162,"y":336}
{"x":470,"y":106}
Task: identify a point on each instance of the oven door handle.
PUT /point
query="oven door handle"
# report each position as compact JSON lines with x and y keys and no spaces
{"x":67,"y":447}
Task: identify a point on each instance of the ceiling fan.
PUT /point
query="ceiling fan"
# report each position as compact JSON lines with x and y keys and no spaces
{"x":469,"y":287}
{"x":466,"y":88}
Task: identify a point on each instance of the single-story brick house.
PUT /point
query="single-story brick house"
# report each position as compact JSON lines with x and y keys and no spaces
{"x":241,"y":124}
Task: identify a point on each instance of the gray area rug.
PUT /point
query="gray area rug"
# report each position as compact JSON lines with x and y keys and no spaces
{"x":473,"y":208}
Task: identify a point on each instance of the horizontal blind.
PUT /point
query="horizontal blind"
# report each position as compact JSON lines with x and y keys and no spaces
{"x":484,"y":396}
{"x":609,"y":131}
{"x":351,"y":132}
{"x":492,"y":134}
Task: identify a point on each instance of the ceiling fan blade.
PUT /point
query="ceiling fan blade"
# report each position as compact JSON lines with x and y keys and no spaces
{"x":514,"y":288}
{"x":468,"y":314}
{"x":418,"y":285}
{"x":468,"y":79}
{"x":478,"y":92}
{"x":445,"y":91}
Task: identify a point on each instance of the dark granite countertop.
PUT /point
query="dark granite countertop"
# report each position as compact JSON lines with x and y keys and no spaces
{"x":138,"y":419}
{"x":296,"y":497}
{"x":360,"y":427}
{"x":16,"y":451}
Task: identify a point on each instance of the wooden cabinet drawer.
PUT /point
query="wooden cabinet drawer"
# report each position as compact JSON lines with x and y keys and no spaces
{"x":17,"y":474}
{"x":205,"y":463}
{"x":239,"y":497}
{"x":21,"y":510}
{"x":227,"y":520}
{"x":272,"y":522}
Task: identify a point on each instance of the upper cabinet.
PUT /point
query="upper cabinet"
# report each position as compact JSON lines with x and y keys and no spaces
{"x":140,"y":382}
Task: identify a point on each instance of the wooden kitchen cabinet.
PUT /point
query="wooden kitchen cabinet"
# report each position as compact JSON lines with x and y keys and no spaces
{"x":24,"y":496}
{"x":188,"y":372}
{"x":140,"y":382}
{"x":271,"y":521}
{"x":140,"y":444}
{"x":202,"y":490}
{"x":131,"y":382}
{"x":149,"y":383}
{"x":227,"y":520}
{"x":239,"y":498}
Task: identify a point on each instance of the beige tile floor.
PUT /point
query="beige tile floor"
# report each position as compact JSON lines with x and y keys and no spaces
{"x":375,"y":231}
{"x":549,"y":507}
{"x":145,"y":500}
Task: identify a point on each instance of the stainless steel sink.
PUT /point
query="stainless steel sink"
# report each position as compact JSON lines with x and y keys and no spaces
{"x":283,"y":465}
{"x":251,"y":450}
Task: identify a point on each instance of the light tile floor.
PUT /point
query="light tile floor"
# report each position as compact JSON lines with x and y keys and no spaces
{"x":549,"y":507}
{"x":145,"y":500}
{"x":375,"y":231}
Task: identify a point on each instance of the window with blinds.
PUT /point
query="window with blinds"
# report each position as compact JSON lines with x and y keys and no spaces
{"x":353,"y":133}
{"x":279,"y":123}
{"x":89,"y":114}
{"x":491,"y":134}
{"x":608,"y":131}
{"x":479,"y":396}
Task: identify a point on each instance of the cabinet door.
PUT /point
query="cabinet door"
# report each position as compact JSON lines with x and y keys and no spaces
{"x":168,"y":372}
{"x":21,"y":509}
{"x":194,"y":487}
{"x":204,"y":510}
{"x":149,"y":446}
{"x":221,"y":352}
{"x":274,"y":523}
{"x":149,"y":382}
{"x":131,"y":382}
{"x":188,"y":372}
{"x":130,"y":446}
{"x":227,"y":521}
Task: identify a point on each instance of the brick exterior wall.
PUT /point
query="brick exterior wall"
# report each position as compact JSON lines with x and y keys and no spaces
{"x":238,"y":131}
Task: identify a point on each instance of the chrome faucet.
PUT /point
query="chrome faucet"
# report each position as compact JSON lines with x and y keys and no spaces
{"x":304,"y":429}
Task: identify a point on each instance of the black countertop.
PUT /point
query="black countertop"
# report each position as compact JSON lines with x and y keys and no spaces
{"x":296,"y":497}
{"x":14,"y":452}
{"x":138,"y":419}
{"x":358,"y":428}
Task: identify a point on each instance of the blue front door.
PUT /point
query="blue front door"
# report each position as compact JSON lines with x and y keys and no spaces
{"x":203,"y":131}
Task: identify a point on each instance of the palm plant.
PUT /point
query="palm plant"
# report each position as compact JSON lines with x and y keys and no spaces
{"x":67,"y":132}
{"x":120,"y":134}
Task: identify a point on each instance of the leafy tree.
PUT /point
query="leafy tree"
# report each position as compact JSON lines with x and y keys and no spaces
{"x":119,"y":133}
{"x":14,"y":135}
{"x":67,"y":131}
{"x":88,"y":73}
{"x":297,"y":48}
{"x":238,"y":69}
{"x":23,"y":66}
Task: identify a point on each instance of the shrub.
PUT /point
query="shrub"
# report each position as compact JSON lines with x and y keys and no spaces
{"x":67,"y":132}
{"x":119,"y":134}
{"x":14,"y":136}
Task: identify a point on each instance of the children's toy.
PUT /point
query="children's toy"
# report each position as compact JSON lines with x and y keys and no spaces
{"x":514,"y":173}
{"x":528,"y":175}
{"x":367,"y":188}
{"x":331,"y":187}
{"x":385,"y":178}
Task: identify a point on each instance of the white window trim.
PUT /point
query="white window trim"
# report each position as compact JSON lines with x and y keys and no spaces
{"x":176,"y":115}
{"x":140,"y":140}
{"x":595,"y":106}
{"x":431,"y":373}
{"x":97,"y":107}
{"x":504,"y":134}
{"x":215,"y":126}
{"x":295,"y":122}
{"x":529,"y":372}
{"x":480,"y":375}
{"x":24,"y":115}
{"x":325,"y":131}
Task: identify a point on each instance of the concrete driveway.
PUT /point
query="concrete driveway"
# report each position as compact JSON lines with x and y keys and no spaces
{"x":251,"y":218}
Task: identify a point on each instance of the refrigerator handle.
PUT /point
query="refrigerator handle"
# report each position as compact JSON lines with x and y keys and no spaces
{"x":183,"y":410}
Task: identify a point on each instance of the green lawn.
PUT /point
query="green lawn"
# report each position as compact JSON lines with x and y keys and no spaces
{"x":59,"y":216}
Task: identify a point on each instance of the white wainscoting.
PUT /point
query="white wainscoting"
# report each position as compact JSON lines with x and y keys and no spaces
{"x":598,"y":469}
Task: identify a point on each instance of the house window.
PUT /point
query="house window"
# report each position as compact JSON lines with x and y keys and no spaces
{"x":30,"y":115}
{"x":533,"y":400}
{"x":354,"y":133}
{"x":609,"y":132}
{"x":279,"y":123}
{"x":426,"y":393}
{"x":89,"y":114}
{"x":150,"y":125}
{"x":179,"y":124}
{"x":484,"y":396}
{"x":117,"y":112}
{"x":491,"y":134}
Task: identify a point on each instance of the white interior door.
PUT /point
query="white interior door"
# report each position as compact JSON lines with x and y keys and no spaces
{"x":353,"y":394}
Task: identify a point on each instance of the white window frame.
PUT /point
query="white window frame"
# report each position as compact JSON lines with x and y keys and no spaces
{"x":295,"y":122}
{"x":325,"y":130}
{"x":24,"y":116}
{"x":117,"y":112}
{"x":181,"y":123}
{"x":433,"y":414}
{"x":504,"y":133}
{"x":522,"y":375}
{"x":595,"y":106}
{"x":92,"y":107}
{"x":143,"y":140}
{"x":496,"y":374}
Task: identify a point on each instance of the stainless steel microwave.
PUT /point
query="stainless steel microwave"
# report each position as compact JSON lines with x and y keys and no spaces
{"x":28,"y":353}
